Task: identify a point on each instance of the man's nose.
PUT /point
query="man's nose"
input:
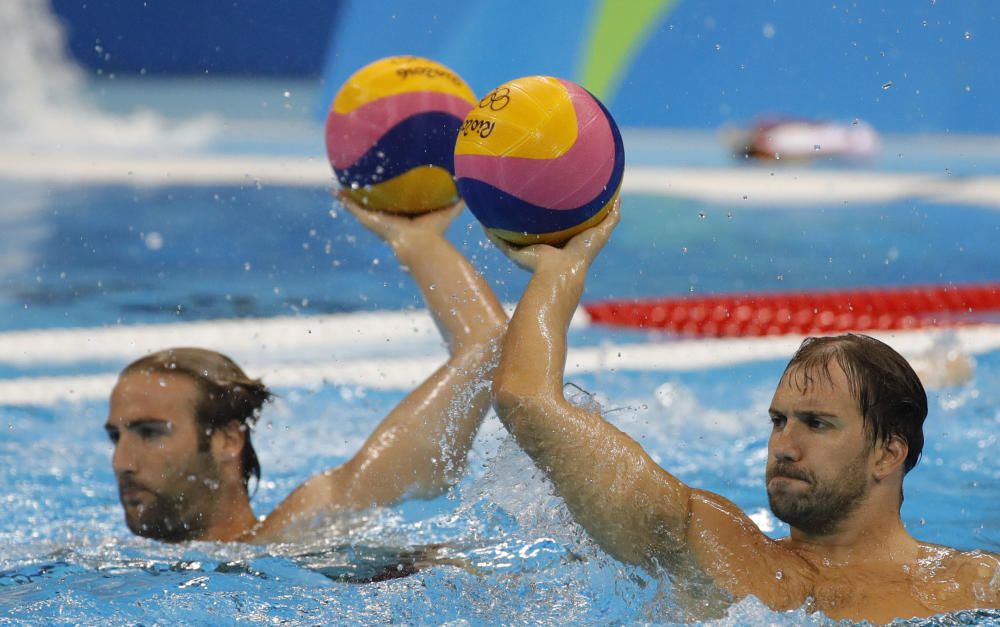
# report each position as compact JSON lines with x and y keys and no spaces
{"x":123,"y":459}
{"x":784,"y":443}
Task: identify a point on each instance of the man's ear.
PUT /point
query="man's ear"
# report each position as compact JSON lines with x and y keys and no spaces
{"x":891,"y":455}
{"x":228,"y":441}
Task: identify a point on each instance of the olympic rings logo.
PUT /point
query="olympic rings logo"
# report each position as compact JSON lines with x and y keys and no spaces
{"x":496,"y":99}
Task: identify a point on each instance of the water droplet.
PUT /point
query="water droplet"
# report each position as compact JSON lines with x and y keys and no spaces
{"x":886,"y":86}
{"x":718,"y":47}
{"x":779,"y":575}
{"x":768,"y":30}
{"x":432,"y":286}
{"x":967,"y":35}
{"x":777,"y":157}
{"x":333,"y":213}
{"x":162,"y":382}
{"x":816,"y":147}
{"x":246,"y":266}
{"x":701,"y":215}
{"x":287,"y":94}
{"x":968,"y":88}
{"x":153,"y":241}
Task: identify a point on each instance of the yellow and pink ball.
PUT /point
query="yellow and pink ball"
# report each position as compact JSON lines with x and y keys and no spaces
{"x":390,"y":134}
{"x":538,"y":160}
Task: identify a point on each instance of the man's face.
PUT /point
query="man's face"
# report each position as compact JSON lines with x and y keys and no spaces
{"x":165,"y":483}
{"x":818,"y":465}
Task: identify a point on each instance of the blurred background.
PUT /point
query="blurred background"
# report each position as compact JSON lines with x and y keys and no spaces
{"x":902,"y":65}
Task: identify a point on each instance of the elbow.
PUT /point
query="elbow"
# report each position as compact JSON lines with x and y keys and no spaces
{"x":514,"y":399}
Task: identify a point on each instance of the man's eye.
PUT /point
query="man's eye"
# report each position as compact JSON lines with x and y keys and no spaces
{"x":817,"y":424}
{"x":114,"y":436}
{"x":777,"y":421}
{"x":151,"y":433}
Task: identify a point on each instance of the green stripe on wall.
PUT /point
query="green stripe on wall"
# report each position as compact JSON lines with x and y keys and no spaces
{"x":618,"y":30}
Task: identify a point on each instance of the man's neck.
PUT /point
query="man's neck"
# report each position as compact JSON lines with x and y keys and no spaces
{"x":233,"y":517}
{"x":870,"y":534}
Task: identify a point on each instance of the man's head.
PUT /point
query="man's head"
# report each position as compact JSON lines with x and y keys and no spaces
{"x":180,"y":420}
{"x":848,"y":415}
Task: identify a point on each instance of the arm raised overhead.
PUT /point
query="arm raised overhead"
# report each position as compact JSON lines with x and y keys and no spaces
{"x":421,"y":447}
{"x":634,"y":509}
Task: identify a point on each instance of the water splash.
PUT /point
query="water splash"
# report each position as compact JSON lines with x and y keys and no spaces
{"x":42,"y":106}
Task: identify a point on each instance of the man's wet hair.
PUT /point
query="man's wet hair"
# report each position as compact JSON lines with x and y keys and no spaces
{"x":887,"y":390}
{"x":226,"y":394}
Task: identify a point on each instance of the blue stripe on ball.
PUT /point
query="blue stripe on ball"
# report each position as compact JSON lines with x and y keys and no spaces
{"x":496,"y":209}
{"x":419,"y":140}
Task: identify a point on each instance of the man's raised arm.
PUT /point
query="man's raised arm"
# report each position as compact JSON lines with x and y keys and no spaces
{"x":633,"y":508}
{"x":421,"y":447}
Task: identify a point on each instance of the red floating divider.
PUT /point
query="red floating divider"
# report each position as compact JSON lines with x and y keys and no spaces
{"x":804,"y":313}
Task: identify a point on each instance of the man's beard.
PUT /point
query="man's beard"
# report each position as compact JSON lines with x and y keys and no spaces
{"x":820,"y":510}
{"x":176,"y":514}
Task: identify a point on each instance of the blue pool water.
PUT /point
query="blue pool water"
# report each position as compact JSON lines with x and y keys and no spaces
{"x":116,"y":255}
{"x":121,"y":255}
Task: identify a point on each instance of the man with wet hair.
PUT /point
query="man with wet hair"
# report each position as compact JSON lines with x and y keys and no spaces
{"x":180,"y":419}
{"x":846,"y":419}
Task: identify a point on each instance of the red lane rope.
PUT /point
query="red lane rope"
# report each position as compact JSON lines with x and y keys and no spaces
{"x":803,"y":313}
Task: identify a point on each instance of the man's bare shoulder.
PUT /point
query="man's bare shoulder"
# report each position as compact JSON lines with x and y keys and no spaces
{"x":976,"y":572}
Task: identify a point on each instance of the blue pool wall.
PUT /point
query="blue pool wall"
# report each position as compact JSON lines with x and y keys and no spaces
{"x":902,"y":65}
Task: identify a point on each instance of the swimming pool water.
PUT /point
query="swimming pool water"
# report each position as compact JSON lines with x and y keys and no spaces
{"x":69,"y":558}
{"x":106,"y":255}
{"x":118,"y":255}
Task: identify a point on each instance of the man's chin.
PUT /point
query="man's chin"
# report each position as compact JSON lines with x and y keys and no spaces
{"x":147,"y":524}
{"x":787,"y":506}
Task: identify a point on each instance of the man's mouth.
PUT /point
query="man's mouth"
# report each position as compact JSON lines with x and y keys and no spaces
{"x":131,"y":494}
{"x":786,"y":474}
{"x":788,"y":478}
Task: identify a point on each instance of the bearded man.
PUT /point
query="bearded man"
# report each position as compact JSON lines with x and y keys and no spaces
{"x":846,"y":419}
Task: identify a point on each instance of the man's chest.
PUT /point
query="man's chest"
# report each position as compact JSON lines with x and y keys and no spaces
{"x":881,"y":596}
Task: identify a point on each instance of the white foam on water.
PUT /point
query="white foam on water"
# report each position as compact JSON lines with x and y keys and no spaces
{"x":42,"y":107}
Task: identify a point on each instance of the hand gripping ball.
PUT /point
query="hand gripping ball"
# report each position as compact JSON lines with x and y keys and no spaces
{"x":390,"y":134}
{"x":538,"y":160}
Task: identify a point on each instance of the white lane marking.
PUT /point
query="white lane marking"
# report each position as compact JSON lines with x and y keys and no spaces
{"x":751,"y":186}
{"x":329,"y":337}
{"x":338,"y":336}
{"x":404,"y":373}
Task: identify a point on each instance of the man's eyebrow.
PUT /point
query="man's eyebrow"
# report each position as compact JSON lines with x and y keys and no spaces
{"x":808,"y":414}
{"x":138,"y":423}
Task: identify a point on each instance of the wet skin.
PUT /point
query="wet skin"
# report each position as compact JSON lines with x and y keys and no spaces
{"x":819,"y":456}
{"x":848,"y":554}
{"x":172,"y":490}
{"x":169,"y":488}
